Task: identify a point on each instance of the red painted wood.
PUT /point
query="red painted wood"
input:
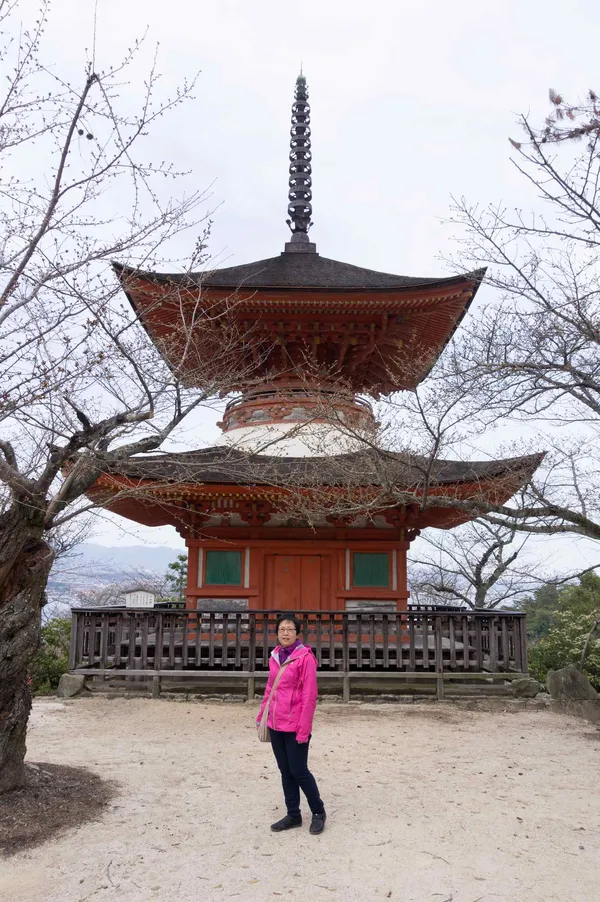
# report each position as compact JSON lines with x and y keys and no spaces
{"x":301,"y":574}
{"x":293,"y":582}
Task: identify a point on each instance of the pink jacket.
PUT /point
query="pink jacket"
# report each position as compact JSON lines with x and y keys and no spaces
{"x":293,"y":705}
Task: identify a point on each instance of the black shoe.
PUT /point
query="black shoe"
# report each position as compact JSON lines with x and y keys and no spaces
{"x":317,"y":825}
{"x":286,"y":823}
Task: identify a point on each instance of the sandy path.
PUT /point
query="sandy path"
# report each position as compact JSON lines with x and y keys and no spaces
{"x":424,"y":802}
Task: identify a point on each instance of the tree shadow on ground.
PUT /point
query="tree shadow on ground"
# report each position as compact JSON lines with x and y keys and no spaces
{"x":54,"y":798}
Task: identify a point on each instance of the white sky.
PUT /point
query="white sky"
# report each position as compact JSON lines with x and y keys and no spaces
{"x":410,"y":102}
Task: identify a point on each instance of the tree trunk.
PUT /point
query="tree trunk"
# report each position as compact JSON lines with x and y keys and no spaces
{"x":25,"y":562}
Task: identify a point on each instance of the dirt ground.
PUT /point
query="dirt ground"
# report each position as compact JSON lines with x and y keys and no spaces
{"x":426,"y":803}
{"x":51,"y":799}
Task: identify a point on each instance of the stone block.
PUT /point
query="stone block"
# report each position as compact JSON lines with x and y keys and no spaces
{"x":71,"y":684}
{"x":569,"y":683}
{"x":586,"y":708}
{"x":525,"y":688}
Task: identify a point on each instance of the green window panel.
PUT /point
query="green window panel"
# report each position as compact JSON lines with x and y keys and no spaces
{"x":223,"y":568}
{"x":371,"y":569}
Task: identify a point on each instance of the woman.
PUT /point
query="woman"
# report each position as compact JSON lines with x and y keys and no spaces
{"x":290,"y":723}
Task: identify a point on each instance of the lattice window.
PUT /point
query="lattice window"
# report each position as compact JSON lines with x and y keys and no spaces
{"x":223,"y":568}
{"x":371,"y":570}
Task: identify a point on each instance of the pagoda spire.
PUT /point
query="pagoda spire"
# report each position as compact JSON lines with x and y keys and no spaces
{"x":300,"y":190}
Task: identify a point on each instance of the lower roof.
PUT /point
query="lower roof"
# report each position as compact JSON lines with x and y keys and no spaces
{"x":229,"y":466}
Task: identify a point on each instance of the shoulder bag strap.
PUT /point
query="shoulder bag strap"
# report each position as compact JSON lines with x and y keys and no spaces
{"x":274,"y":686}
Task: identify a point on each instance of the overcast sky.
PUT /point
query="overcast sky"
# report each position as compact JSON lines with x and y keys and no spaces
{"x":410,"y":103}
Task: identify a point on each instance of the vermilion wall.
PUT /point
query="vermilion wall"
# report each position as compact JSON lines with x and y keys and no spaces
{"x":301,"y":574}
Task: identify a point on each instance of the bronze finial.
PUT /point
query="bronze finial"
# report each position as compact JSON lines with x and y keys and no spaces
{"x":300,"y":193}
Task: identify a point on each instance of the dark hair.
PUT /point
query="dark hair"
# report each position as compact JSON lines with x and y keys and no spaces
{"x":292,"y":619}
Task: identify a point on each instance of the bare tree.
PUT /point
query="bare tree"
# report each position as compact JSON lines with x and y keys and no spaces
{"x":112,"y":593}
{"x":81,"y":385}
{"x":474,"y":565}
{"x":528,"y":357}
{"x":532,"y":354}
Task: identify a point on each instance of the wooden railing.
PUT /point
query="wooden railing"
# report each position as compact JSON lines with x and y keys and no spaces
{"x":238,"y":643}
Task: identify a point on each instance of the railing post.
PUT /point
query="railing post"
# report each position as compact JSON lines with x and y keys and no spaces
{"x":493,"y":644}
{"x":131,"y":641}
{"x":73,"y":642}
{"x":439,"y":661}
{"x":251,"y":653}
{"x":158,"y":641}
{"x":345,"y":659}
{"x":522,"y":621}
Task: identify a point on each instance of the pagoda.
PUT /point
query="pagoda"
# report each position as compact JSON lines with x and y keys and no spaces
{"x":313,"y":337}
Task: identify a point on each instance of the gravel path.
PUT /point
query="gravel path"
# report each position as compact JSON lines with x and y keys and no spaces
{"x":426,"y":803}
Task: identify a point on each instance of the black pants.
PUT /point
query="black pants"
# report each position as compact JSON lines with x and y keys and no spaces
{"x":292,"y":760}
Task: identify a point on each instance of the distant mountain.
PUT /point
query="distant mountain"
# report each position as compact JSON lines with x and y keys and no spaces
{"x":122,"y":557}
{"x":93,"y":566}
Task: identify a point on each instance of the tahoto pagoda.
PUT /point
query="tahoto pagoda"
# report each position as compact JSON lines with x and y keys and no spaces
{"x":313,"y":336}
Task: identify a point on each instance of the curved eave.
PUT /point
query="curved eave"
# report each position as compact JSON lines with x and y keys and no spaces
{"x":161,"y":502}
{"x":435,"y":307}
{"x":377,"y":282}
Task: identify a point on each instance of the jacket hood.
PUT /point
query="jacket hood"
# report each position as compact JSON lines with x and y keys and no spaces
{"x":297,"y":653}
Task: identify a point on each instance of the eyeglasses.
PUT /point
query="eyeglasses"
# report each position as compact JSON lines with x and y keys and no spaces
{"x":287,"y":629}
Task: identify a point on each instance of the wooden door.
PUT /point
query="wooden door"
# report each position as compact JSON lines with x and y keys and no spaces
{"x":293,"y":582}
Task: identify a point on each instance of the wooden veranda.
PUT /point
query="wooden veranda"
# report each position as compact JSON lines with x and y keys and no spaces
{"x":439,"y":647}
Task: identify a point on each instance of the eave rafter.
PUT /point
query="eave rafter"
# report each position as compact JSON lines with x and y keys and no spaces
{"x":362,"y":334}
{"x":153,"y":503}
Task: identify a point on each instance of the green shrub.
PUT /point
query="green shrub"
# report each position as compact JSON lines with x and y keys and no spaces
{"x":52,"y":659}
{"x":564,"y":644}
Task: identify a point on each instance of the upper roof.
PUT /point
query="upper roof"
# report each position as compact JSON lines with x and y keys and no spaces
{"x":304,"y":270}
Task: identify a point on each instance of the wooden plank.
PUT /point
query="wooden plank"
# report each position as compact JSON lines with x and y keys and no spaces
{"x":493,"y":644}
{"x":91,"y":639}
{"x":198,"y":655}
{"x":345,"y":687}
{"x":304,"y":628}
{"x":386,"y":642}
{"x":238,"y":640}
{"x":211,"y":639}
{"x":425,"y":635}
{"x":522,"y":625}
{"x":505,"y":650}
{"x":185,"y":642}
{"x":131,"y":632}
{"x":118,"y":639}
{"x":265,"y":640}
{"x":439,"y":661}
{"x":251,"y":642}
{"x":224,"y":646}
{"x":478,"y":645}
{"x":339,"y":675}
{"x":80,"y":638}
{"x":158,"y":641}
{"x":171,"y":624}
{"x":452,"y":641}
{"x":319,"y":640}
{"x":465,"y":639}
{"x":399,"y":620}
{"x":359,"y":628}
{"x":373,"y":623}
{"x":412,"y":654}
{"x":345,"y":643}
{"x":73,"y":640}
{"x":331,"y":641}
{"x":144,"y":644}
